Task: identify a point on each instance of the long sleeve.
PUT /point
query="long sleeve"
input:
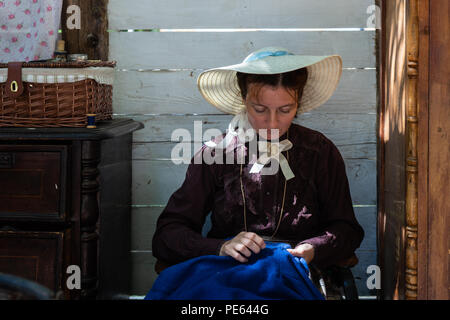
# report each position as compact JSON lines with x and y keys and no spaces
{"x":341,"y":233}
{"x":178,"y":231}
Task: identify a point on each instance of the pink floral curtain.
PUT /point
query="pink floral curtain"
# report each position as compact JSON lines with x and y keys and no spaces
{"x":28,"y":29}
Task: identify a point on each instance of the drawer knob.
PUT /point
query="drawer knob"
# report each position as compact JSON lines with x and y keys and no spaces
{"x":6,"y":160}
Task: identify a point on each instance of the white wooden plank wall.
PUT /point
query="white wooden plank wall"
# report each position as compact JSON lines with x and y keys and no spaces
{"x":174,"y":40}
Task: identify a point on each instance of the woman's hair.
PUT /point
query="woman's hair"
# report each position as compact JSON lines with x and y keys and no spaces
{"x":294,"y":80}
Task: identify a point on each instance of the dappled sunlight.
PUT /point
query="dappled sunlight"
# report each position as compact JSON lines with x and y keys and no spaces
{"x":394,"y":121}
{"x":392,"y":221}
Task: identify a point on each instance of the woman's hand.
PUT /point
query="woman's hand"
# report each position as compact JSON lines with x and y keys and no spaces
{"x":242,"y":246}
{"x":305,"y":250}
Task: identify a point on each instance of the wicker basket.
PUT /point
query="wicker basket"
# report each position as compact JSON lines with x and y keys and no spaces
{"x":64,"y":103}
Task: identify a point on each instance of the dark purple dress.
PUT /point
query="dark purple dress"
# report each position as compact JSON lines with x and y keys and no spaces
{"x":318,"y":206}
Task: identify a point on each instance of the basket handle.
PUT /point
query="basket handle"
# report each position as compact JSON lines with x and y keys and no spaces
{"x":14,"y":85}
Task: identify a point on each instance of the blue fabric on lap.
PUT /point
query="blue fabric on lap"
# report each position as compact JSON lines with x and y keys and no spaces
{"x":271,"y":274}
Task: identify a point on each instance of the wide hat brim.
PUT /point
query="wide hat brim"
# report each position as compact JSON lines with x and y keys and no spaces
{"x":220,"y":88}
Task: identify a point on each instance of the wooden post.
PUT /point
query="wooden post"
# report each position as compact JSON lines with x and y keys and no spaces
{"x":92,"y":37}
{"x":412,"y":39}
{"x":89,"y":218}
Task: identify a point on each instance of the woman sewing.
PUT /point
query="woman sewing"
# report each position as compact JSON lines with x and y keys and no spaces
{"x":305,"y":202}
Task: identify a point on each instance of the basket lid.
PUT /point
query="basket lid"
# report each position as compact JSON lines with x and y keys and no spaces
{"x":70,"y":64}
{"x":63,"y":72}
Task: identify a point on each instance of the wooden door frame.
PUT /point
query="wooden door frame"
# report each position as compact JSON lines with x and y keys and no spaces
{"x":423,"y":269}
{"x":434,"y":150}
{"x":422,"y":149}
{"x":391,"y":166}
{"x":404,"y":270}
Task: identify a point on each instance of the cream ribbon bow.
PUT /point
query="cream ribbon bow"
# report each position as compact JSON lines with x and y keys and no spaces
{"x":244,"y":132}
{"x":272,"y":150}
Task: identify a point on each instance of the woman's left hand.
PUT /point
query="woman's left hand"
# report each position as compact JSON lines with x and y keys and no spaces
{"x":305,"y":250}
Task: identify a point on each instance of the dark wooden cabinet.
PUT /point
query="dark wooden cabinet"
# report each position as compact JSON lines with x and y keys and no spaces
{"x":33,"y":182}
{"x":65,"y":196}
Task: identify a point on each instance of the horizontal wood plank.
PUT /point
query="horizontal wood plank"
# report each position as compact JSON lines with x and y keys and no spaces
{"x":155,"y":181}
{"x":143,"y":273}
{"x":163,"y":151}
{"x":176,"y":92}
{"x":204,"y":50}
{"x":367,"y":218}
{"x":341,"y":128}
{"x":366,"y":258}
{"x":146,"y":14}
{"x":143,"y":226}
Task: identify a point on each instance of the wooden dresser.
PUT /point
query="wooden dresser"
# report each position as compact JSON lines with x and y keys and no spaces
{"x":65,"y":197}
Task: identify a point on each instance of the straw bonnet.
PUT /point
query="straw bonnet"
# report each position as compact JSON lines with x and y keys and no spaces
{"x":219,"y":86}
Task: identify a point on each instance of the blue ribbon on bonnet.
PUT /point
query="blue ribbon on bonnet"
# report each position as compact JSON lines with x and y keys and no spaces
{"x":263,"y":54}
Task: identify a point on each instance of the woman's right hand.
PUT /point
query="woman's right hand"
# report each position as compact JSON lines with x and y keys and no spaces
{"x":242,"y":246}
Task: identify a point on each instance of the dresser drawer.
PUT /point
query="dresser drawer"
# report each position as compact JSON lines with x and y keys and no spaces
{"x":36,"y":256}
{"x":33,"y":182}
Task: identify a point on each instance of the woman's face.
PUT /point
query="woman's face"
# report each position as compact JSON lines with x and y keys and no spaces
{"x":270,"y":108}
